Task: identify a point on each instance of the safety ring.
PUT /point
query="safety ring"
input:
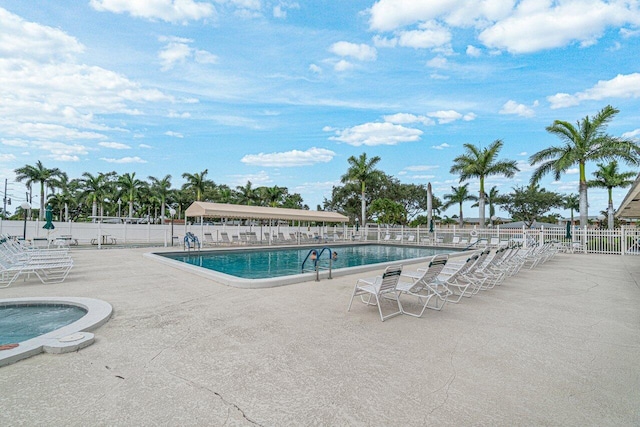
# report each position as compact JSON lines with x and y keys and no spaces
{"x":473,"y":233}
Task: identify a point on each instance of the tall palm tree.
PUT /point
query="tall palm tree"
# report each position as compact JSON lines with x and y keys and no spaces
{"x":587,"y":141}
{"x":572,"y":202}
{"x":362,"y":171}
{"x":37,"y":174}
{"x":608,"y":176}
{"x":161,"y":188}
{"x":94,"y":190}
{"x":480,"y":163}
{"x":274,"y":195}
{"x":196,"y":182}
{"x":246,"y":194}
{"x":130,"y":186}
{"x":458,"y":195}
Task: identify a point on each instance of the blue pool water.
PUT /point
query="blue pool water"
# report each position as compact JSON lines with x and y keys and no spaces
{"x":22,"y":322}
{"x":261,"y":264}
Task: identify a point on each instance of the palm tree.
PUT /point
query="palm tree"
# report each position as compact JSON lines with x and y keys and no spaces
{"x":362,"y":171}
{"x":480,"y":163}
{"x":587,"y":141}
{"x":458,"y":195}
{"x":130,"y":186}
{"x":161,"y":188}
{"x":95,"y":188}
{"x":246,"y":194}
{"x":39,"y":174}
{"x":196,"y":182}
{"x":572,"y":202}
{"x":608,"y":176}
{"x":274,"y":195}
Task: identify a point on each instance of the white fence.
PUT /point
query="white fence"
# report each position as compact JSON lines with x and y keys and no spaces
{"x":583,"y":240}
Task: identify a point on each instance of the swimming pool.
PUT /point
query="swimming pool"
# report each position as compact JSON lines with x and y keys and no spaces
{"x":20,"y":322}
{"x":267,"y":267}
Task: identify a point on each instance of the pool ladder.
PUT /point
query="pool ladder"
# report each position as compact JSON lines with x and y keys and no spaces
{"x":316,"y":261}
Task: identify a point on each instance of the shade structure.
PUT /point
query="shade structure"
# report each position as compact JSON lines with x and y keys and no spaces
{"x":568,"y":233}
{"x":222,"y":210}
{"x":48,"y":216}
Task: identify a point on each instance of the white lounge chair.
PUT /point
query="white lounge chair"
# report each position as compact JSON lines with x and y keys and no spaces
{"x":380,"y":287}
{"x":455,"y":240}
{"x":459,"y":283}
{"x":425,"y":286}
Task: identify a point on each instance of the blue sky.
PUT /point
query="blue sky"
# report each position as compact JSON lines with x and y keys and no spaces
{"x":283,"y":92}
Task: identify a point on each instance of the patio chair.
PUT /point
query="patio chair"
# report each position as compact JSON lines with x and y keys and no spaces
{"x":425,"y":285}
{"x":209,"y":240}
{"x":379,"y":287}
{"x":225,"y":238}
{"x":459,"y":282}
{"x":455,"y":240}
{"x":494,"y":241}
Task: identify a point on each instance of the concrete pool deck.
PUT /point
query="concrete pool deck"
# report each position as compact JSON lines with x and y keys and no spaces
{"x":557,"y":345}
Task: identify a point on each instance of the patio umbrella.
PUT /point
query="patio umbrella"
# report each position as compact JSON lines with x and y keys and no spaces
{"x":48,"y":216}
{"x":568,"y":234}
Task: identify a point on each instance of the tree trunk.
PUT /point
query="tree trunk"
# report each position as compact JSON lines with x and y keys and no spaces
{"x":162,"y":213}
{"x":94,"y":210}
{"x":610,"y":211}
{"x":130,"y":208}
{"x":584,"y":214}
{"x":481,"y":208}
{"x":363,"y":208}
{"x":461,"y":220}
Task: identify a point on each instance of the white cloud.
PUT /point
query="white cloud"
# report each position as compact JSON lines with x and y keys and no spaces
{"x":144,"y":146}
{"x":48,"y":94}
{"x":469,"y":117}
{"x":174,"y":134}
{"x":406,"y":118}
{"x":315,"y":69}
{"x":166,"y":10}
{"x":343,"y":65}
{"x":621,"y":86}
{"x":523,"y":153}
{"x":175,"y":114}
{"x":122,"y":160}
{"x":383,"y":42}
{"x":441,"y":146}
{"x":430,"y":35}
{"x":539,"y":25}
{"x":62,"y":152}
{"x":178,"y":51}
{"x":258,"y":179}
{"x":473,"y":51}
{"x":290,"y":158}
{"x":361,"y":52}
{"x":516,"y":26}
{"x":114,"y":145}
{"x":372,"y":134}
{"x":280,"y":10}
{"x":421,"y":168}
{"x":22,"y":39}
{"x":7,"y":157}
{"x":15,"y":142}
{"x":632,"y":134}
{"x":572,"y":171}
{"x":445,"y":116}
{"x":438,"y":62}
{"x":512,"y":107}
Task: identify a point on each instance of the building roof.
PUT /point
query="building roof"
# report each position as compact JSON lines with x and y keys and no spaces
{"x":630,"y":206}
{"x":222,"y":210}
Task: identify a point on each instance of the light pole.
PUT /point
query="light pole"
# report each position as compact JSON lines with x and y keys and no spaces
{"x":172,"y":212}
{"x":25,"y":206}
